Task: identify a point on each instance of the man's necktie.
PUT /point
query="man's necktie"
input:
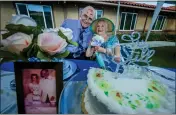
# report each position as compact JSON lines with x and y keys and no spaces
{"x":80,"y":43}
{"x":81,"y":38}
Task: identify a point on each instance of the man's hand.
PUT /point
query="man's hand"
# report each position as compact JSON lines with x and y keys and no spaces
{"x":100,"y":49}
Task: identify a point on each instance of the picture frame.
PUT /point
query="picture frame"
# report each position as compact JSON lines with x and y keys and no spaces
{"x":32,"y":81}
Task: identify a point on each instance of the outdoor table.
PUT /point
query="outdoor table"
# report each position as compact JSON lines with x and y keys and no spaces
{"x":76,"y":84}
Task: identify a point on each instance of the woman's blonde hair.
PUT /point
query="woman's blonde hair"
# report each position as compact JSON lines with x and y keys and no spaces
{"x":106,"y":24}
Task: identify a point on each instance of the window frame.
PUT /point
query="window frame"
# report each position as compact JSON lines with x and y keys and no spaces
{"x":160,"y":24}
{"x":125,"y":20}
{"x":18,"y":12}
{"x":96,"y":13}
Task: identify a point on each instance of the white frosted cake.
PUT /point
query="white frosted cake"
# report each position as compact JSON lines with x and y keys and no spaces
{"x":133,"y":91}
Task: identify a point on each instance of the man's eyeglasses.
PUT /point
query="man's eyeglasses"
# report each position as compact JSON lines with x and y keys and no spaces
{"x":85,"y":17}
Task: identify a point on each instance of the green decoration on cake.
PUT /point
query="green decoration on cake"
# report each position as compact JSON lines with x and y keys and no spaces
{"x":125,"y":94}
{"x":132,"y":105}
{"x":106,"y":93}
{"x":138,"y":102}
{"x":149,"y":90}
{"x":149,"y":105}
{"x":157,"y":87}
{"x":104,"y":85}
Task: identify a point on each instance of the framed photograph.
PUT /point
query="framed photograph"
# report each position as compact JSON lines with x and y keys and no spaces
{"x":38,"y":87}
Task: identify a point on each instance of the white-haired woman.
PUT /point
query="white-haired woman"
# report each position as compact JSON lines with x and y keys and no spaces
{"x":110,"y":48}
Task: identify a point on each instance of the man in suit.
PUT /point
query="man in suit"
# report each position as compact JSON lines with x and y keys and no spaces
{"x":81,"y":32}
{"x":48,"y":87}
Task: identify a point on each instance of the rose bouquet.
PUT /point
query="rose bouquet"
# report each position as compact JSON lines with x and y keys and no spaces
{"x":25,"y":40}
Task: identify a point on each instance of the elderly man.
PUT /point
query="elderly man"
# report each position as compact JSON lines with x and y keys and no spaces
{"x":81,"y":32}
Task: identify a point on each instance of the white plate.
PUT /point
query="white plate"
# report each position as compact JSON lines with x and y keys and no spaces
{"x":8,"y":96}
{"x":165,"y":72}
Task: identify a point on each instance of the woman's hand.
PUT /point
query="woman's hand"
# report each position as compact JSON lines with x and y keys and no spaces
{"x":117,"y":59}
{"x":100,"y":49}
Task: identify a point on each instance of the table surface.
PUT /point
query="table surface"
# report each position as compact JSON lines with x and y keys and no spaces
{"x":83,"y":65}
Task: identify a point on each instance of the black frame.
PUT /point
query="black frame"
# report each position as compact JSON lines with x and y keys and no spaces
{"x":18,"y":68}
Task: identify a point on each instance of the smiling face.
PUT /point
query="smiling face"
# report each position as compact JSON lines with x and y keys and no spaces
{"x":87,"y":17}
{"x":34,"y":78}
{"x":45,"y":73}
{"x":101,"y":28}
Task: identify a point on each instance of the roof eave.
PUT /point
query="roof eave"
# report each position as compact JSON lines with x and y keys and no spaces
{"x":123,"y":5}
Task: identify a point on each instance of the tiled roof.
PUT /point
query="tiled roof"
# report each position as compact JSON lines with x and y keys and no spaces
{"x":172,"y":8}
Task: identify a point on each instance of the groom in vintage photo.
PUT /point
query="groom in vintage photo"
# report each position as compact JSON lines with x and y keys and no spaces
{"x":48,"y":87}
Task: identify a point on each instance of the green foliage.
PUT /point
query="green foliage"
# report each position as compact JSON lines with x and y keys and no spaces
{"x":42,"y":55}
{"x":67,"y":40}
{"x":33,"y":49}
{"x":8,"y":56}
{"x":14,"y":28}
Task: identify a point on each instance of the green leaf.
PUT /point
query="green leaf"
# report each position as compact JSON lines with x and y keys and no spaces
{"x":7,"y":60}
{"x":13,"y":27}
{"x":6,"y":54}
{"x":41,"y":55}
{"x":36,"y":49}
{"x":27,"y":49}
{"x":20,"y":28}
{"x":67,"y":40}
{"x":62,"y":55}
{"x":30,"y":51}
{"x":6,"y":35}
{"x":36,"y":31}
{"x":73,"y":43}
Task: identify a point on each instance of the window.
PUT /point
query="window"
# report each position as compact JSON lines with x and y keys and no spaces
{"x":98,"y":13}
{"x":159,"y":23}
{"x":40,"y":13}
{"x":128,"y":21}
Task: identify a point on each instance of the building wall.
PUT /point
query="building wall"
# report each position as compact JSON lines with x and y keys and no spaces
{"x":141,"y":18}
{"x":72,"y":11}
{"x":170,"y":24}
{"x":7,"y":9}
{"x":110,"y":13}
{"x":149,"y":21}
{"x":58,"y":14}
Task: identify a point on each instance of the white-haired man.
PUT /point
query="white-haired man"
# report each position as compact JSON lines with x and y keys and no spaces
{"x":81,"y":32}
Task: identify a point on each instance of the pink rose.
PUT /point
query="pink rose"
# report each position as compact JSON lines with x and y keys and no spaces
{"x":51,"y":43}
{"x":17,"y":42}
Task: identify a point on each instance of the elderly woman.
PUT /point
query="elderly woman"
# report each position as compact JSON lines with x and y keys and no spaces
{"x":110,"y":48}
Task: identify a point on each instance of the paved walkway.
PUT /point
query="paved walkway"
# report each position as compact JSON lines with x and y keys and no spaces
{"x":157,"y":43}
